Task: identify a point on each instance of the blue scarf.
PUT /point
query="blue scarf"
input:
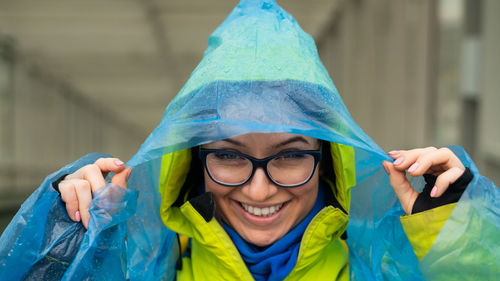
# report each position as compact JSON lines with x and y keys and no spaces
{"x":276,"y":261}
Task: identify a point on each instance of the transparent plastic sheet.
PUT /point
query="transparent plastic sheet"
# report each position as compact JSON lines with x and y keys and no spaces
{"x":287,"y":91}
{"x":125,"y":240}
{"x":378,"y":246}
{"x":468,"y":246}
{"x":27,"y":240}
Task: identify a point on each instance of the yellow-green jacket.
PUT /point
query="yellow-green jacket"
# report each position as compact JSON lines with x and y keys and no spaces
{"x":209,"y":253}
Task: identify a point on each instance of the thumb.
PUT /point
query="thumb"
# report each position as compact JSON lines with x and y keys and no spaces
{"x":402,"y":187}
{"x":121,"y":178}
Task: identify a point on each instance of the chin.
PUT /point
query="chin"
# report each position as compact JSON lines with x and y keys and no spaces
{"x":262,"y":239}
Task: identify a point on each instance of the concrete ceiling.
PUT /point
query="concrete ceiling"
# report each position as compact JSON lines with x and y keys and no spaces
{"x":131,"y":56}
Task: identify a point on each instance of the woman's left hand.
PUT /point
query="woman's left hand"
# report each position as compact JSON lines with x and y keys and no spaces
{"x":442,"y":163}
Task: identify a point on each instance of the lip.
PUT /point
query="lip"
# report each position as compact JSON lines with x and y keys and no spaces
{"x":261,"y":221}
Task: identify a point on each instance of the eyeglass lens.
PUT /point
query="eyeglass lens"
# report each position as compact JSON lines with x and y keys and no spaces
{"x":291,"y":169}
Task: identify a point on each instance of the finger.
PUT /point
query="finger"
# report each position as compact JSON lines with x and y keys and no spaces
{"x":444,"y":180}
{"x":122,"y":177}
{"x":435,"y":161}
{"x":105,"y":165}
{"x":84,"y":194}
{"x":402,"y":187}
{"x":394,"y":153}
{"x":94,"y":172}
{"x":110,"y":164}
{"x":68,"y":195}
{"x":406,"y":158}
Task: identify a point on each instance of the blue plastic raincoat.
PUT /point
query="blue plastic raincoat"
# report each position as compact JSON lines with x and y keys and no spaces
{"x":260,"y":73}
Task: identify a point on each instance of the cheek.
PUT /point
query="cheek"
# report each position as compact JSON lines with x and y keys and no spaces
{"x":218,"y":192}
{"x":211,"y":186}
{"x":308,"y":193}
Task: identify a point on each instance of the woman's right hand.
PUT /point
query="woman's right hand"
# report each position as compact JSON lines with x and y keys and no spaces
{"x":76,"y":189}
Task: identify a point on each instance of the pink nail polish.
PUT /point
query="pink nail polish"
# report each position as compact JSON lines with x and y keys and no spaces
{"x":399,"y":161}
{"x":413,"y":167}
{"x":393,"y":152}
{"x":386,"y":169}
{"x":118,"y":162}
{"x":434,"y":191}
{"x":77,"y":216}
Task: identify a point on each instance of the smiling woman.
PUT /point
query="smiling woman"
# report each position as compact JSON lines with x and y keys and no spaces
{"x":259,"y":210}
{"x":263,"y":175}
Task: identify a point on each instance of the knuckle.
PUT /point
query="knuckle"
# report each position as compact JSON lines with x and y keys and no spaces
{"x":64,"y":186}
{"x":82,"y":185}
{"x":431,"y":148}
{"x":445,"y":150}
{"x":423,"y":162}
{"x":86,"y":168}
{"x":429,"y":156}
{"x":92,"y":168}
{"x":67,"y":190}
{"x":457,"y":171}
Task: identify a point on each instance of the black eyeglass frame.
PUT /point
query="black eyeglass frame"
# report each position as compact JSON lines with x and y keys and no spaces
{"x":260,"y":163}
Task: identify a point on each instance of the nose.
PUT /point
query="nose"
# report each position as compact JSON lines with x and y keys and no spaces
{"x":259,"y":188}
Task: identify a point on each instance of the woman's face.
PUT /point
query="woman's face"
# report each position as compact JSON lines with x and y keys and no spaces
{"x":285,"y":207}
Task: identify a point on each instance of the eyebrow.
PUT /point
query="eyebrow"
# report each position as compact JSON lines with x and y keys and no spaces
{"x":235,"y":142}
{"x":291,"y":140}
{"x":283,"y":143}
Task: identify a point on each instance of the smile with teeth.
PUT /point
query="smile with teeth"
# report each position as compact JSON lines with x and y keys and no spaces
{"x":262,"y":212}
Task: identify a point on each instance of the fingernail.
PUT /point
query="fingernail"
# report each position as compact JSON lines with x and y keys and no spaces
{"x":118,"y":162}
{"x":434,"y":191}
{"x":413,"y":167}
{"x":393,"y":152}
{"x":386,"y":169}
{"x":77,"y":216}
{"x":399,"y":161}
{"x":128,"y":174}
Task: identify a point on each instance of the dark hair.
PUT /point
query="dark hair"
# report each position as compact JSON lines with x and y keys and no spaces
{"x":194,"y":179}
{"x":326,"y":163}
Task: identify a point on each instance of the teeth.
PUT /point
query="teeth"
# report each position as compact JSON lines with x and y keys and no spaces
{"x":272,"y":209}
{"x":262,"y":212}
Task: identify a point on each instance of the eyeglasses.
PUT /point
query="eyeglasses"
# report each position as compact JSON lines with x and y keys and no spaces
{"x":287,"y":169}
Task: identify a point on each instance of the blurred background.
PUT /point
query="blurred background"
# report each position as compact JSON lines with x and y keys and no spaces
{"x":95,"y":75}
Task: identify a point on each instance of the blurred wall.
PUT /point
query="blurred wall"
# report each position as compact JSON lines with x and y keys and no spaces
{"x":420,"y":73}
{"x":381,"y":56}
{"x":489,"y":86}
{"x":45,"y":124}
